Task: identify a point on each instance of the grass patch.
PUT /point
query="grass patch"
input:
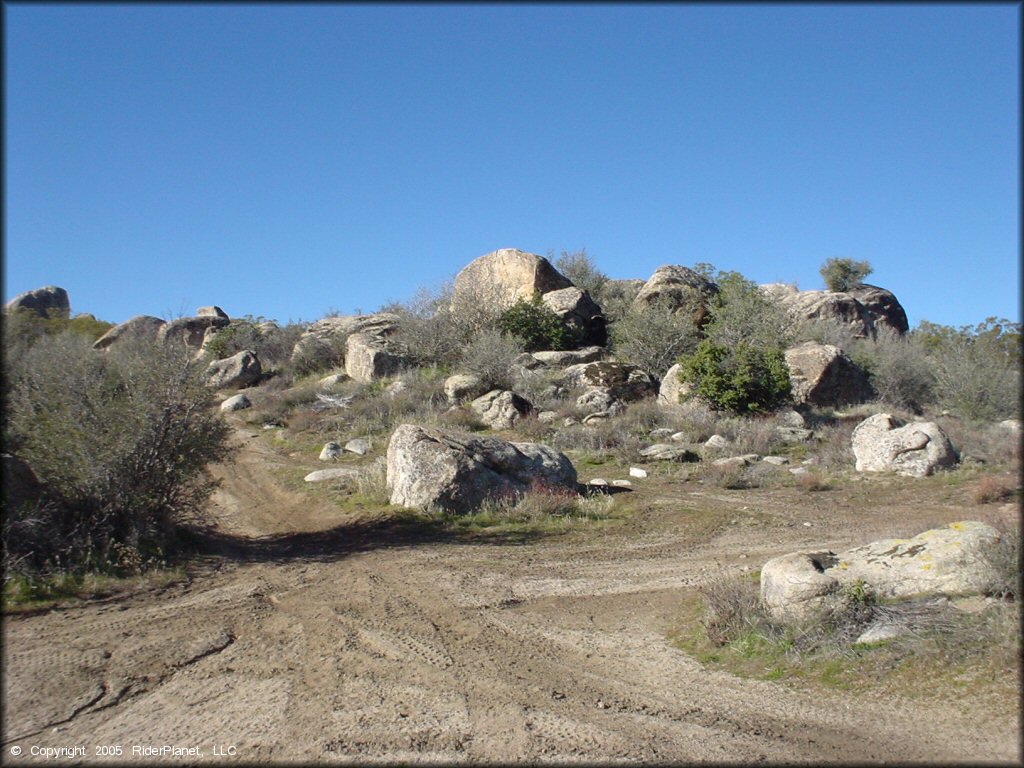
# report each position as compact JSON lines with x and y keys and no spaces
{"x":25,"y":593}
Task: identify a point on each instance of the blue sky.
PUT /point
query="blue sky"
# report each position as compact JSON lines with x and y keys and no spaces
{"x":286,"y":160}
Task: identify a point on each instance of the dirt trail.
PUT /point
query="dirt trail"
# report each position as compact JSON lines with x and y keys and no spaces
{"x":313,"y":637}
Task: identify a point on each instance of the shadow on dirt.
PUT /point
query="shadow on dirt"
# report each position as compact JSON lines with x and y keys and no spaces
{"x":343,"y":540}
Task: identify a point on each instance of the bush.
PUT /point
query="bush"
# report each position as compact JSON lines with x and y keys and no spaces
{"x":653,"y":336}
{"x":581,"y":270}
{"x":272,"y":344}
{"x":741,"y":314}
{"x":537,"y":326}
{"x":742,"y":379}
{"x":120,"y":440}
{"x":899,"y":368}
{"x":489,"y":355}
{"x":428,"y":333}
{"x":844,"y":274}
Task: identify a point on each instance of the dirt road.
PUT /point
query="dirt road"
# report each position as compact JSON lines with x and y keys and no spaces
{"x":311,"y":637}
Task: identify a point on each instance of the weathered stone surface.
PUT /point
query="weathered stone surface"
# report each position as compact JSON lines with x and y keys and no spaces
{"x":48,"y":301}
{"x":547,"y":417}
{"x":564,"y":358}
{"x":502,"y":277}
{"x":331,"y":451}
{"x":236,"y":403}
{"x":790,"y":418}
{"x":672,"y":391}
{"x":777,"y":461}
{"x":916,"y":449}
{"x":143,"y":327}
{"x":190,"y":331}
{"x":797,"y":587}
{"x":367,"y":358}
{"x":500,"y":408}
{"x":358,"y":445}
{"x":666,"y":452}
{"x":212,"y":311}
{"x":463,"y":386}
{"x":331,"y":473}
{"x":239,"y":370}
{"x":884,"y":308}
{"x":327,"y":336}
{"x":595,"y":399}
{"x":457,"y":472}
{"x":580,"y":314}
{"x":794,"y":434}
{"x":718,"y":442}
{"x":681,"y":288}
{"x":625,"y":382}
{"x":956,"y":560}
{"x":744,"y":460}
{"x":822,"y":375}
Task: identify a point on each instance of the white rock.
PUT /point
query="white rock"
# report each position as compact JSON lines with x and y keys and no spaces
{"x":717,"y":441}
{"x":332,"y":473}
{"x":330,"y":451}
{"x":358,"y":445}
{"x":637,"y":472}
{"x":236,"y":403}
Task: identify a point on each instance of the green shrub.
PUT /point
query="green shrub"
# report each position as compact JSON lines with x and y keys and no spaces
{"x":272,"y":344}
{"x":536,"y":325}
{"x":741,"y":314}
{"x":581,"y":270}
{"x":741,"y":379}
{"x":844,"y":274}
{"x":120,"y":440}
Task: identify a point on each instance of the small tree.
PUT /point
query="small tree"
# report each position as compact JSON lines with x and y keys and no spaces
{"x":842,"y":275}
{"x":580,"y":268}
{"x":742,"y":379}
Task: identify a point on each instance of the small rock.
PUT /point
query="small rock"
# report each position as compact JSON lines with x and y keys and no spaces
{"x":637,"y":472}
{"x":807,"y":525}
{"x":329,"y":474}
{"x":778,"y":461}
{"x":879,"y":632}
{"x":717,"y":441}
{"x":595,"y":417}
{"x":798,"y":470}
{"x":598,"y":481}
{"x":569,"y":421}
{"x":333,"y":380}
{"x":330,"y":451}
{"x":546,"y":417}
{"x":678,"y":436}
{"x":236,"y":403}
{"x":660,"y":432}
{"x":358,"y":445}
{"x":622,"y":483}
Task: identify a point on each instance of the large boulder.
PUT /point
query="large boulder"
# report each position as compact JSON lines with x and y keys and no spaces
{"x":190,"y":331}
{"x":367,"y":358}
{"x":500,"y":408}
{"x":624,"y":381}
{"x":684,"y":290}
{"x":502,"y":277}
{"x":884,"y":308}
{"x":958,"y":560}
{"x":212,"y":311}
{"x":456,"y":472}
{"x":822,"y":375}
{"x":564,"y":358}
{"x":673,"y":390}
{"x":580,"y":314}
{"x":863,"y":311}
{"x":48,"y":301}
{"x":327,"y":337}
{"x":144,"y":327}
{"x":239,"y":370}
{"x":463,"y":386}
{"x":917,"y":449}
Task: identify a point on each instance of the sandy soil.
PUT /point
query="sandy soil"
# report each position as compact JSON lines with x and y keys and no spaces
{"x":308,"y":636}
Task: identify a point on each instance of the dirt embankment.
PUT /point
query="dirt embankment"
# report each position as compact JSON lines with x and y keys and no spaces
{"x":308,"y":636}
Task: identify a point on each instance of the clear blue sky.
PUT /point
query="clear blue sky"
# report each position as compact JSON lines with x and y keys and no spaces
{"x":283,"y":160}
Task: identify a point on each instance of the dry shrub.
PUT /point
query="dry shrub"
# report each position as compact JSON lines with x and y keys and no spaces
{"x":991,"y":489}
{"x":732,"y":607}
{"x":812,"y":481}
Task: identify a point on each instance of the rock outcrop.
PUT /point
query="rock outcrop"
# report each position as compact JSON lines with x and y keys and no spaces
{"x":502,"y":277}
{"x":884,"y":308}
{"x":500,"y":409}
{"x":916,"y":449}
{"x":672,"y":390}
{"x":684,"y":290}
{"x":822,"y":375}
{"x":432,"y":468}
{"x":957,"y":560}
{"x":864,"y":311}
{"x":239,"y":370}
{"x":623,"y":381}
{"x":190,"y":331}
{"x":48,"y":301}
{"x":367,"y":358}
{"x":580,"y":314}
{"x":326,"y":338}
{"x":144,"y":327}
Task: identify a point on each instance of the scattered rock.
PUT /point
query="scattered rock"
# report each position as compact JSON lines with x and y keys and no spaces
{"x":595,"y":399}
{"x":48,"y":301}
{"x":622,"y":483}
{"x":332,"y":473}
{"x":599,"y":481}
{"x":367,"y":358}
{"x":331,"y":451}
{"x":463,"y":386}
{"x":547,"y":417}
{"x":822,"y":375}
{"x":236,"y":403}
{"x":358,"y":445}
{"x":239,"y":370}
{"x":737,"y":461}
{"x":788,"y":417}
{"x":500,"y":408}
{"x":718,"y":442}
{"x":637,"y":472}
{"x":799,"y":470}
{"x":143,"y":327}
{"x":190,"y":331}
{"x":880,"y":632}
{"x":666,"y":452}
{"x":793,"y":434}
{"x":623,"y":381}
{"x":679,"y":437}
{"x":672,"y":391}
{"x":564,"y":358}
{"x":435,"y":468}
{"x":915,"y":450}
{"x":326,"y":338}
{"x":778,"y":461}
